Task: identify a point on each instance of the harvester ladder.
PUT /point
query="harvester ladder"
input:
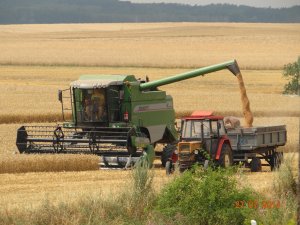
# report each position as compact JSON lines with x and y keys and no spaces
{"x":70,"y":101}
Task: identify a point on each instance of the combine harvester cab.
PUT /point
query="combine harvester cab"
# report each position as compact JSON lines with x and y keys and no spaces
{"x":117,"y":117}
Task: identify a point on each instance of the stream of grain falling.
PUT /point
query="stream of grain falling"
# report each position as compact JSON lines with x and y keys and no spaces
{"x":245,"y":102}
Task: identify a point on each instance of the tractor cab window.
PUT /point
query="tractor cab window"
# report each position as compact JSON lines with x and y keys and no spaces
{"x":192,"y":129}
{"x":221,"y":127}
{"x":217,"y":128}
{"x":214,"y":127}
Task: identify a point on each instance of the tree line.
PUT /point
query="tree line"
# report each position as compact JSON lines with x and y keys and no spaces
{"x":105,"y":11}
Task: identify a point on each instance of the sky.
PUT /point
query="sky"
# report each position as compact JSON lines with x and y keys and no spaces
{"x":255,"y":3}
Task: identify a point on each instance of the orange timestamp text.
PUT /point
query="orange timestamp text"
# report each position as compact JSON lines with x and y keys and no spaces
{"x":255,"y":204}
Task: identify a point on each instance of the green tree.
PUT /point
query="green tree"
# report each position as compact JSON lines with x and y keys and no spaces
{"x":292,"y":72}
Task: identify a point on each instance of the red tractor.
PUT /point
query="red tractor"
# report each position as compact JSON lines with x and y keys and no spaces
{"x":205,"y":138}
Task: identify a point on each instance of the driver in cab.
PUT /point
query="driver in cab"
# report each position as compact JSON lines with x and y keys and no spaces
{"x":98,"y":104}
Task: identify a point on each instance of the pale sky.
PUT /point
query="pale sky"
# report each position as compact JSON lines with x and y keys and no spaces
{"x":255,"y":3}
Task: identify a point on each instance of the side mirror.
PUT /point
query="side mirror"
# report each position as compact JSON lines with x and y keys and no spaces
{"x":178,"y":127}
{"x":60,"y":95}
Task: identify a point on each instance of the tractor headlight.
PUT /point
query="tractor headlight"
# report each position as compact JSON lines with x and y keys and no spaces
{"x":196,"y":152}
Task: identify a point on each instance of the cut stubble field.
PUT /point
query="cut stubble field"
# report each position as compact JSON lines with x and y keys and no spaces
{"x":37,"y":60}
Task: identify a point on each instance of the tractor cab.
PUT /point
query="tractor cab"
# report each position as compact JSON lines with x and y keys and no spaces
{"x":202,"y":125}
{"x":202,"y":138}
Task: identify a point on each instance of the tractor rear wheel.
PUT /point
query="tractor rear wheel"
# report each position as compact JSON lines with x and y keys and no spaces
{"x":167,"y":153}
{"x":226,"y":158}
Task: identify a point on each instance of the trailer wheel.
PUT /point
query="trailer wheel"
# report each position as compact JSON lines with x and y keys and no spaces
{"x":167,"y":153}
{"x":255,"y":165}
{"x":276,"y":160}
{"x":226,"y":158}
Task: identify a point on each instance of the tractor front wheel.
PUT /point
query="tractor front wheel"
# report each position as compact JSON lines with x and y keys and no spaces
{"x":226,"y":158}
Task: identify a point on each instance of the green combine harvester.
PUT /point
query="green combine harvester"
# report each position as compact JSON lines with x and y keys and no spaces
{"x":117,"y":117}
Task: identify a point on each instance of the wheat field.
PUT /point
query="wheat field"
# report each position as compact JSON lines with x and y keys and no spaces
{"x":256,"y":46}
{"x":37,"y":60}
{"x":22,"y":84}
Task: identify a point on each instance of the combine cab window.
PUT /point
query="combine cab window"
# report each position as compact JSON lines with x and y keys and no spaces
{"x":98,"y":105}
{"x":114,"y":98}
{"x":91,"y":105}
